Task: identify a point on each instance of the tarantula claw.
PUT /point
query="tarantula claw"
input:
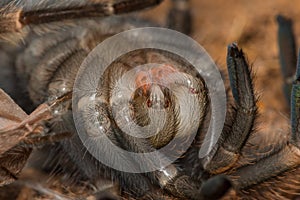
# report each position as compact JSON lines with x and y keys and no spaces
{"x":215,"y":187}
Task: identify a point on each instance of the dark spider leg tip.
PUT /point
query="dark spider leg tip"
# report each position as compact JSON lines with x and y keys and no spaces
{"x":297,"y":76}
{"x":232,"y":52}
{"x":180,"y":17}
{"x":105,"y":196}
{"x":184,"y":186}
{"x":241,"y":82}
{"x":287,"y":52}
{"x":241,"y":126}
{"x":239,"y":74}
{"x":282,"y":20}
{"x":215,"y":187}
{"x":295,"y":107}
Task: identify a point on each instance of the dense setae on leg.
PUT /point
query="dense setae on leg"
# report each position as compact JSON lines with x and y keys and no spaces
{"x":233,"y":140}
{"x":295,"y":107}
{"x":287,"y":53}
{"x":269,"y":167}
{"x":281,"y":162}
{"x":13,"y":17}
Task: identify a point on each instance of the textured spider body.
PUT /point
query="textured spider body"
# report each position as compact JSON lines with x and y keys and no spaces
{"x":48,"y":64}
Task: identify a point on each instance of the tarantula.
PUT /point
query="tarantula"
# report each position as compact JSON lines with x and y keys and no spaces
{"x":58,"y":38}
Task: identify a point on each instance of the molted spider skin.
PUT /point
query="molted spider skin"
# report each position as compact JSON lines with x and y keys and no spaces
{"x":48,"y":62}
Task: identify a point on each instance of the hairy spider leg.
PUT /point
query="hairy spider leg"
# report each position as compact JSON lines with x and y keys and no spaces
{"x":13,"y":18}
{"x":232,"y":141}
{"x":295,"y":107}
{"x":180,"y":17}
{"x":287,"y":53}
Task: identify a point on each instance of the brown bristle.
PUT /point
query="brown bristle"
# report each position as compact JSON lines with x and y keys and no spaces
{"x":9,"y":21}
